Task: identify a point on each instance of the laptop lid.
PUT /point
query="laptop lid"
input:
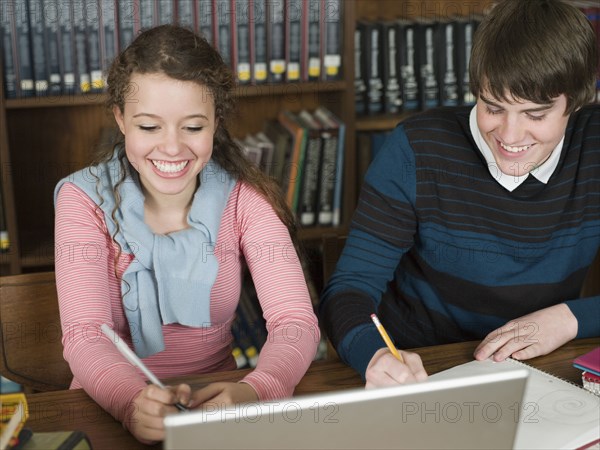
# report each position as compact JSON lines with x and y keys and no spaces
{"x":478,"y":412}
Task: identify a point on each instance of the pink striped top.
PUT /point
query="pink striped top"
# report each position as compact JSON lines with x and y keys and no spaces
{"x":89,"y":294}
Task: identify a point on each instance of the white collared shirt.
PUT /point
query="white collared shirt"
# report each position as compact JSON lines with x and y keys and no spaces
{"x":511,"y":182}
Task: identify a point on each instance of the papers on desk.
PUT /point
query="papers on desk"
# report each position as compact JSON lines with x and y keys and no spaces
{"x":555,"y":413}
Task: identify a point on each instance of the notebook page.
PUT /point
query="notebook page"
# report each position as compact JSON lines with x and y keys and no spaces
{"x":554,"y":414}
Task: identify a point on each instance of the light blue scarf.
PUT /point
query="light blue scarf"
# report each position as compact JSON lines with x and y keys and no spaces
{"x":171,"y":276}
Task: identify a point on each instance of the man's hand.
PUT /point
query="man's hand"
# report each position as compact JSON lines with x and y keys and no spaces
{"x":385,"y":370}
{"x":529,"y":336}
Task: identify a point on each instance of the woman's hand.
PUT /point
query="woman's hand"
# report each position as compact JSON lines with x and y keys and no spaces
{"x":150,"y":407}
{"x":218,"y":395}
{"x":385,"y":370}
{"x":529,"y":336}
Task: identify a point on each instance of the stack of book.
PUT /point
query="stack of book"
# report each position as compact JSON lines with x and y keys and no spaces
{"x":408,"y":65}
{"x":304,"y":153}
{"x":590,"y":365}
{"x":57,"y":47}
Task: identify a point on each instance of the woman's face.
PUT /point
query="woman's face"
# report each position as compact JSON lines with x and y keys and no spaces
{"x":169,"y":127}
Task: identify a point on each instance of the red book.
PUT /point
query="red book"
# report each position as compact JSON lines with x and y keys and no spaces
{"x":589,"y":362}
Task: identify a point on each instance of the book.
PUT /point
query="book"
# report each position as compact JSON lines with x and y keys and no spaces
{"x":186,"y":13}
{"x":241,"y":50}
{"x":67,"y":47}
{"x":589,"y":362}
{"x":83,"y":83}
{"x":9,"y":53}
{"x":390,"y":73}
{"x":408,"y":62}
{"x":446,"y":63}
{"x":38,"y":50}
{"x":282,"y":151}
{"x":166,"y":12}
{"x":332,"y":39}
{"x":92,"y":13}
{"x":339,"y":168}
{"x":308,"y":202}
{"x":267,"y":149}
{"x":328,"y":172}
{"x":13,"y":417}
{"x":148,"y":14}
{"x":371,"y":60}
{"x":109,"y":45}
{"x":465,"y":28}
{"x":429,"y":91}
{"x":275,"y":40}
{"x":52,"y":9}
{"x":554,"y":413}
{"x":360,"y":87}
{"x":23,"y":60}
{"x":296,"y":161}
{"x":224,"y":29}
{"x":311,"y":40}
{"x":205,"y":11}
{"x":258,"y":33}
{"x":128,"y":22}
{"x":293,"y":39}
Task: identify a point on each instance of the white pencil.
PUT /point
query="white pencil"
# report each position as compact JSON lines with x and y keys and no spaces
{"x":133,"y":359}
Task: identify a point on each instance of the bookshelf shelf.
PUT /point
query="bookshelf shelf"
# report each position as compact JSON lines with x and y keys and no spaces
{"x":379,"y":122}
{"x":241,"y":92}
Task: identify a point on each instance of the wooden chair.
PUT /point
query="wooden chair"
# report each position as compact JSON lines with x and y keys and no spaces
{"x":30,"y":333}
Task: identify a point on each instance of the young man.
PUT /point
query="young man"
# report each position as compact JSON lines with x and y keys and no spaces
{"x":480,"y":223}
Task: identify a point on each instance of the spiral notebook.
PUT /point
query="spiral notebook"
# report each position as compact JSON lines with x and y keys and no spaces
{"x":554,"y":413}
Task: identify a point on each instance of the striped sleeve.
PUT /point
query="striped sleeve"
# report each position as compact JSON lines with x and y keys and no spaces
{"x":293,"y":331}
{"x":84,"y":260}
{"x":382,"y":230}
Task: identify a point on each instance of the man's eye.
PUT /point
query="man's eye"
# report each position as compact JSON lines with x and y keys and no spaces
{"x":493,"y":111}
{"x":532,"y":117}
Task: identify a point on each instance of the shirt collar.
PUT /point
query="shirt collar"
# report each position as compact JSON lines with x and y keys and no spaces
{"x":511,"y":182}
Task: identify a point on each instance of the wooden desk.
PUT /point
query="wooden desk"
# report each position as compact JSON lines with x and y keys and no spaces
{"x":74,"y":410}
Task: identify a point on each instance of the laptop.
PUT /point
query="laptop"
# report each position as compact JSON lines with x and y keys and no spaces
{"x":474,"y":412}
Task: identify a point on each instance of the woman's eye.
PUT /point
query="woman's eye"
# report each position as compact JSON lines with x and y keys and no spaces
{"x":194,"y":129}
{"x":148,"y":127}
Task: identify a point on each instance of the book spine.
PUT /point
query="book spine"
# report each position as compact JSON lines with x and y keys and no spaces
{"x":52,"y":10}
{"x":390,"y":75}
{"x":360,"y":87}
{"x":108,"y":35}
{"x":428,"y":85}
{"x":408,"y":66}
{"x":9,"y":40}
{"x":309,"y":193}
{"x":447,"y":78}
{"x":259,"y":14}
{"x":275,"y":40}
{"x":293,"y":37}
{"x":314,"y":39}
{"x":128,"y":14}
{"x":23,"y":52}
{"x":373,"y":69}
{"x":242,"y":47}
{"x":166,"y":12}
{"x":67,"y":45}
{"x":339,"y":175}
{"x":92,"y":13}
{"x":327,"y":175}
{"x":82,"y":74}
{"x":332,"y":35}
{"x":205,"y":19}
{"x":466,"y":30}
{"x":186,"y":14}
{"x":148,"y":14}
{"x":38,"y":53}
{"x":224,"y":27}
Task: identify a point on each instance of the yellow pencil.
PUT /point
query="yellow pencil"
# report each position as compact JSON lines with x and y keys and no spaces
{"x":386,"y":338}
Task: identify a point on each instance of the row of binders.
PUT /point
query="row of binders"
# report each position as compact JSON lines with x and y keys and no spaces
{"x":409,"y":65}
{"x":304,"y":152}
{"x":54,"y":47}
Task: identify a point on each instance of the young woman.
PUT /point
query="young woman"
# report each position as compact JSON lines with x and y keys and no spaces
{"x":152,"y":240}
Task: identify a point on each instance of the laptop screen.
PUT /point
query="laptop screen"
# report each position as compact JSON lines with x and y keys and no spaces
{"x":478,"y":412}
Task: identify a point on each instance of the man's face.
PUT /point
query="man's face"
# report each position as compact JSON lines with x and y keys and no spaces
{"x":521,"y":134}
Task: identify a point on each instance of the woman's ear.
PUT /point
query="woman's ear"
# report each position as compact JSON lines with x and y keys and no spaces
{"x":119,"y":118}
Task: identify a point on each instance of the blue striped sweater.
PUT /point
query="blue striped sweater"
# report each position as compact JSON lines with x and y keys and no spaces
{"x":443,"y":253}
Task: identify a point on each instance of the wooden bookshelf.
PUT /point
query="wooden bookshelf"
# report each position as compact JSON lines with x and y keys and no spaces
{"x":45,"y":139}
